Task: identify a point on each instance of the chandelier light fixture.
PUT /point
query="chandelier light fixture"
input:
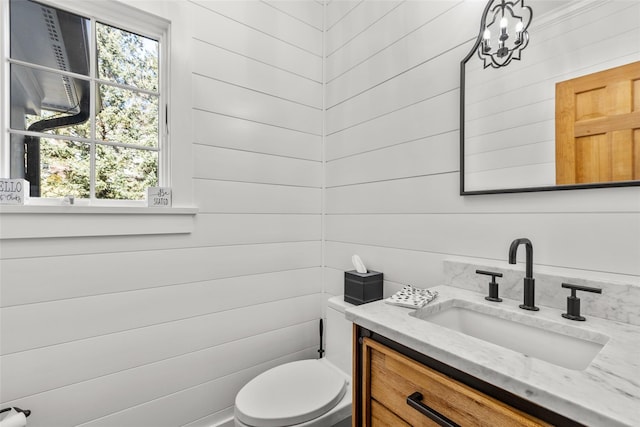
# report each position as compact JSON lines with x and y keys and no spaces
{"x":503,"y":32}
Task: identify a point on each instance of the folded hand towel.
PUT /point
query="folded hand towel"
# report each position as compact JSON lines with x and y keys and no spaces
{"x":412,"y":297}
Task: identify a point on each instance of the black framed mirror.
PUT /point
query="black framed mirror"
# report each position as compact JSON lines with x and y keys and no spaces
{"x":508,"y":114}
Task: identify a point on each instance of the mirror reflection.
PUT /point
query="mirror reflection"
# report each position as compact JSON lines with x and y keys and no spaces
{"x":567,"y":113}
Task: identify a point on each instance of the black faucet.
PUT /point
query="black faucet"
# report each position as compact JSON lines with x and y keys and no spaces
{"x":573,"y":302}
{"x":529,"y":281}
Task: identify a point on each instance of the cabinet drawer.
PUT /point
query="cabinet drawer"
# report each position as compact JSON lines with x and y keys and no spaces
{"x":382,"y":417}
{"x":392,"y":377}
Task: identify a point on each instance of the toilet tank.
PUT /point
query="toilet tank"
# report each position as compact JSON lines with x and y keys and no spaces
{"x":338,"y":333}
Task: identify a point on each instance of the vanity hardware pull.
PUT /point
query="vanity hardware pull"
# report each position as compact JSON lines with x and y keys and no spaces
{"x":415,"y":401}
{"x":573,"y":302}
{"x":493,"y":285}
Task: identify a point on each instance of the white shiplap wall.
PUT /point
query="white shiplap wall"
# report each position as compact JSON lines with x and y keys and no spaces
{"x":163,"y":330}
{"x":392,"y":167}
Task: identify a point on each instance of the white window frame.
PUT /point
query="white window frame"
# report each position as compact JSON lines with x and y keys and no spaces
{"x":115,"y":217}
{"x":121,"y":16}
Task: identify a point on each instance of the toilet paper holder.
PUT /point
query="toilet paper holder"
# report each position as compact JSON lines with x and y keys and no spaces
{"x":10,"y":419}
{"x":26,"y":412}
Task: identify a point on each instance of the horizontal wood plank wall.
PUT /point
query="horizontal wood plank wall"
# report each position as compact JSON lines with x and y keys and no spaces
{"x":392,"y":165}
{"x":164,"y":330}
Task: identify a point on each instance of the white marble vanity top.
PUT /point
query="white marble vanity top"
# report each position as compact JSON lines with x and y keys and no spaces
{"x":606,"y":393}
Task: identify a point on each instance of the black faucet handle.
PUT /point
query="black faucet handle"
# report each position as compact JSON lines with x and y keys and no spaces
{"x":493,"y":285}
{"x":575,"y":288}
{"x":489,"y":273}
{"x":573,"y":302}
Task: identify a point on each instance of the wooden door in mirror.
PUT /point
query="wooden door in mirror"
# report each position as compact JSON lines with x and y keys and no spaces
{"x":598,"y":127}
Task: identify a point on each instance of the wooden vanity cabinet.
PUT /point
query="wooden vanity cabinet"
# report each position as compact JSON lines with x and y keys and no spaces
{"x":393,"y":389}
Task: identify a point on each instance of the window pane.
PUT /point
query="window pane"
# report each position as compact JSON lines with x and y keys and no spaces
{"x":43,"y":101}
{"x":48,"y":36}
{"x":119,"y":102}
{"x":65,"y":168}
{"x":127,"y":58}
{"x":125,"y":173}
{"x":127,"y":116}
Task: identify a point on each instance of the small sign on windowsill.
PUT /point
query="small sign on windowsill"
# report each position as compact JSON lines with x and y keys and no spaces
{"x":159,"y":197}
{"x":14,"y":191}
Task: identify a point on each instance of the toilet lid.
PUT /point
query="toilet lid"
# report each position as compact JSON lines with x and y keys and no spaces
{"x":290,"y":394}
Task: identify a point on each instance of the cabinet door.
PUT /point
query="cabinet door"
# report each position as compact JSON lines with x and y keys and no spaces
{"x":390,"y":378}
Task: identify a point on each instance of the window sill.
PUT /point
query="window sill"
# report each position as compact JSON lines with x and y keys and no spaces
{"x":33,"y":221}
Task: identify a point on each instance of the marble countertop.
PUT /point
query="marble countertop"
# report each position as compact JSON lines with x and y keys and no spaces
{"x":606,"y":393}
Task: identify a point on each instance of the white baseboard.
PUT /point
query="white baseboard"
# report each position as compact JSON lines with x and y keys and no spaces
{"x":222,"y":418}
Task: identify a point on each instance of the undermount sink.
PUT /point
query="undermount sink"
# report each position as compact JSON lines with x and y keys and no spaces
{"x":554,"y":342}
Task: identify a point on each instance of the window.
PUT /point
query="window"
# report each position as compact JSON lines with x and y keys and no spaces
{"x":87,"y":105}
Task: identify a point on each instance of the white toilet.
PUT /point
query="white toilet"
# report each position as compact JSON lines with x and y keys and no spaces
{"x":314,"y":392}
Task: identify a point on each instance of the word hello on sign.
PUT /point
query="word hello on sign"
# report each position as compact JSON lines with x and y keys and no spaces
{"x":13,"y":191}
{"x":159,"y":197}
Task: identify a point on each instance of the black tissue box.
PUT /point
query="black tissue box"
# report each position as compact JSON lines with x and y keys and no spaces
{"x":361,"y":288}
